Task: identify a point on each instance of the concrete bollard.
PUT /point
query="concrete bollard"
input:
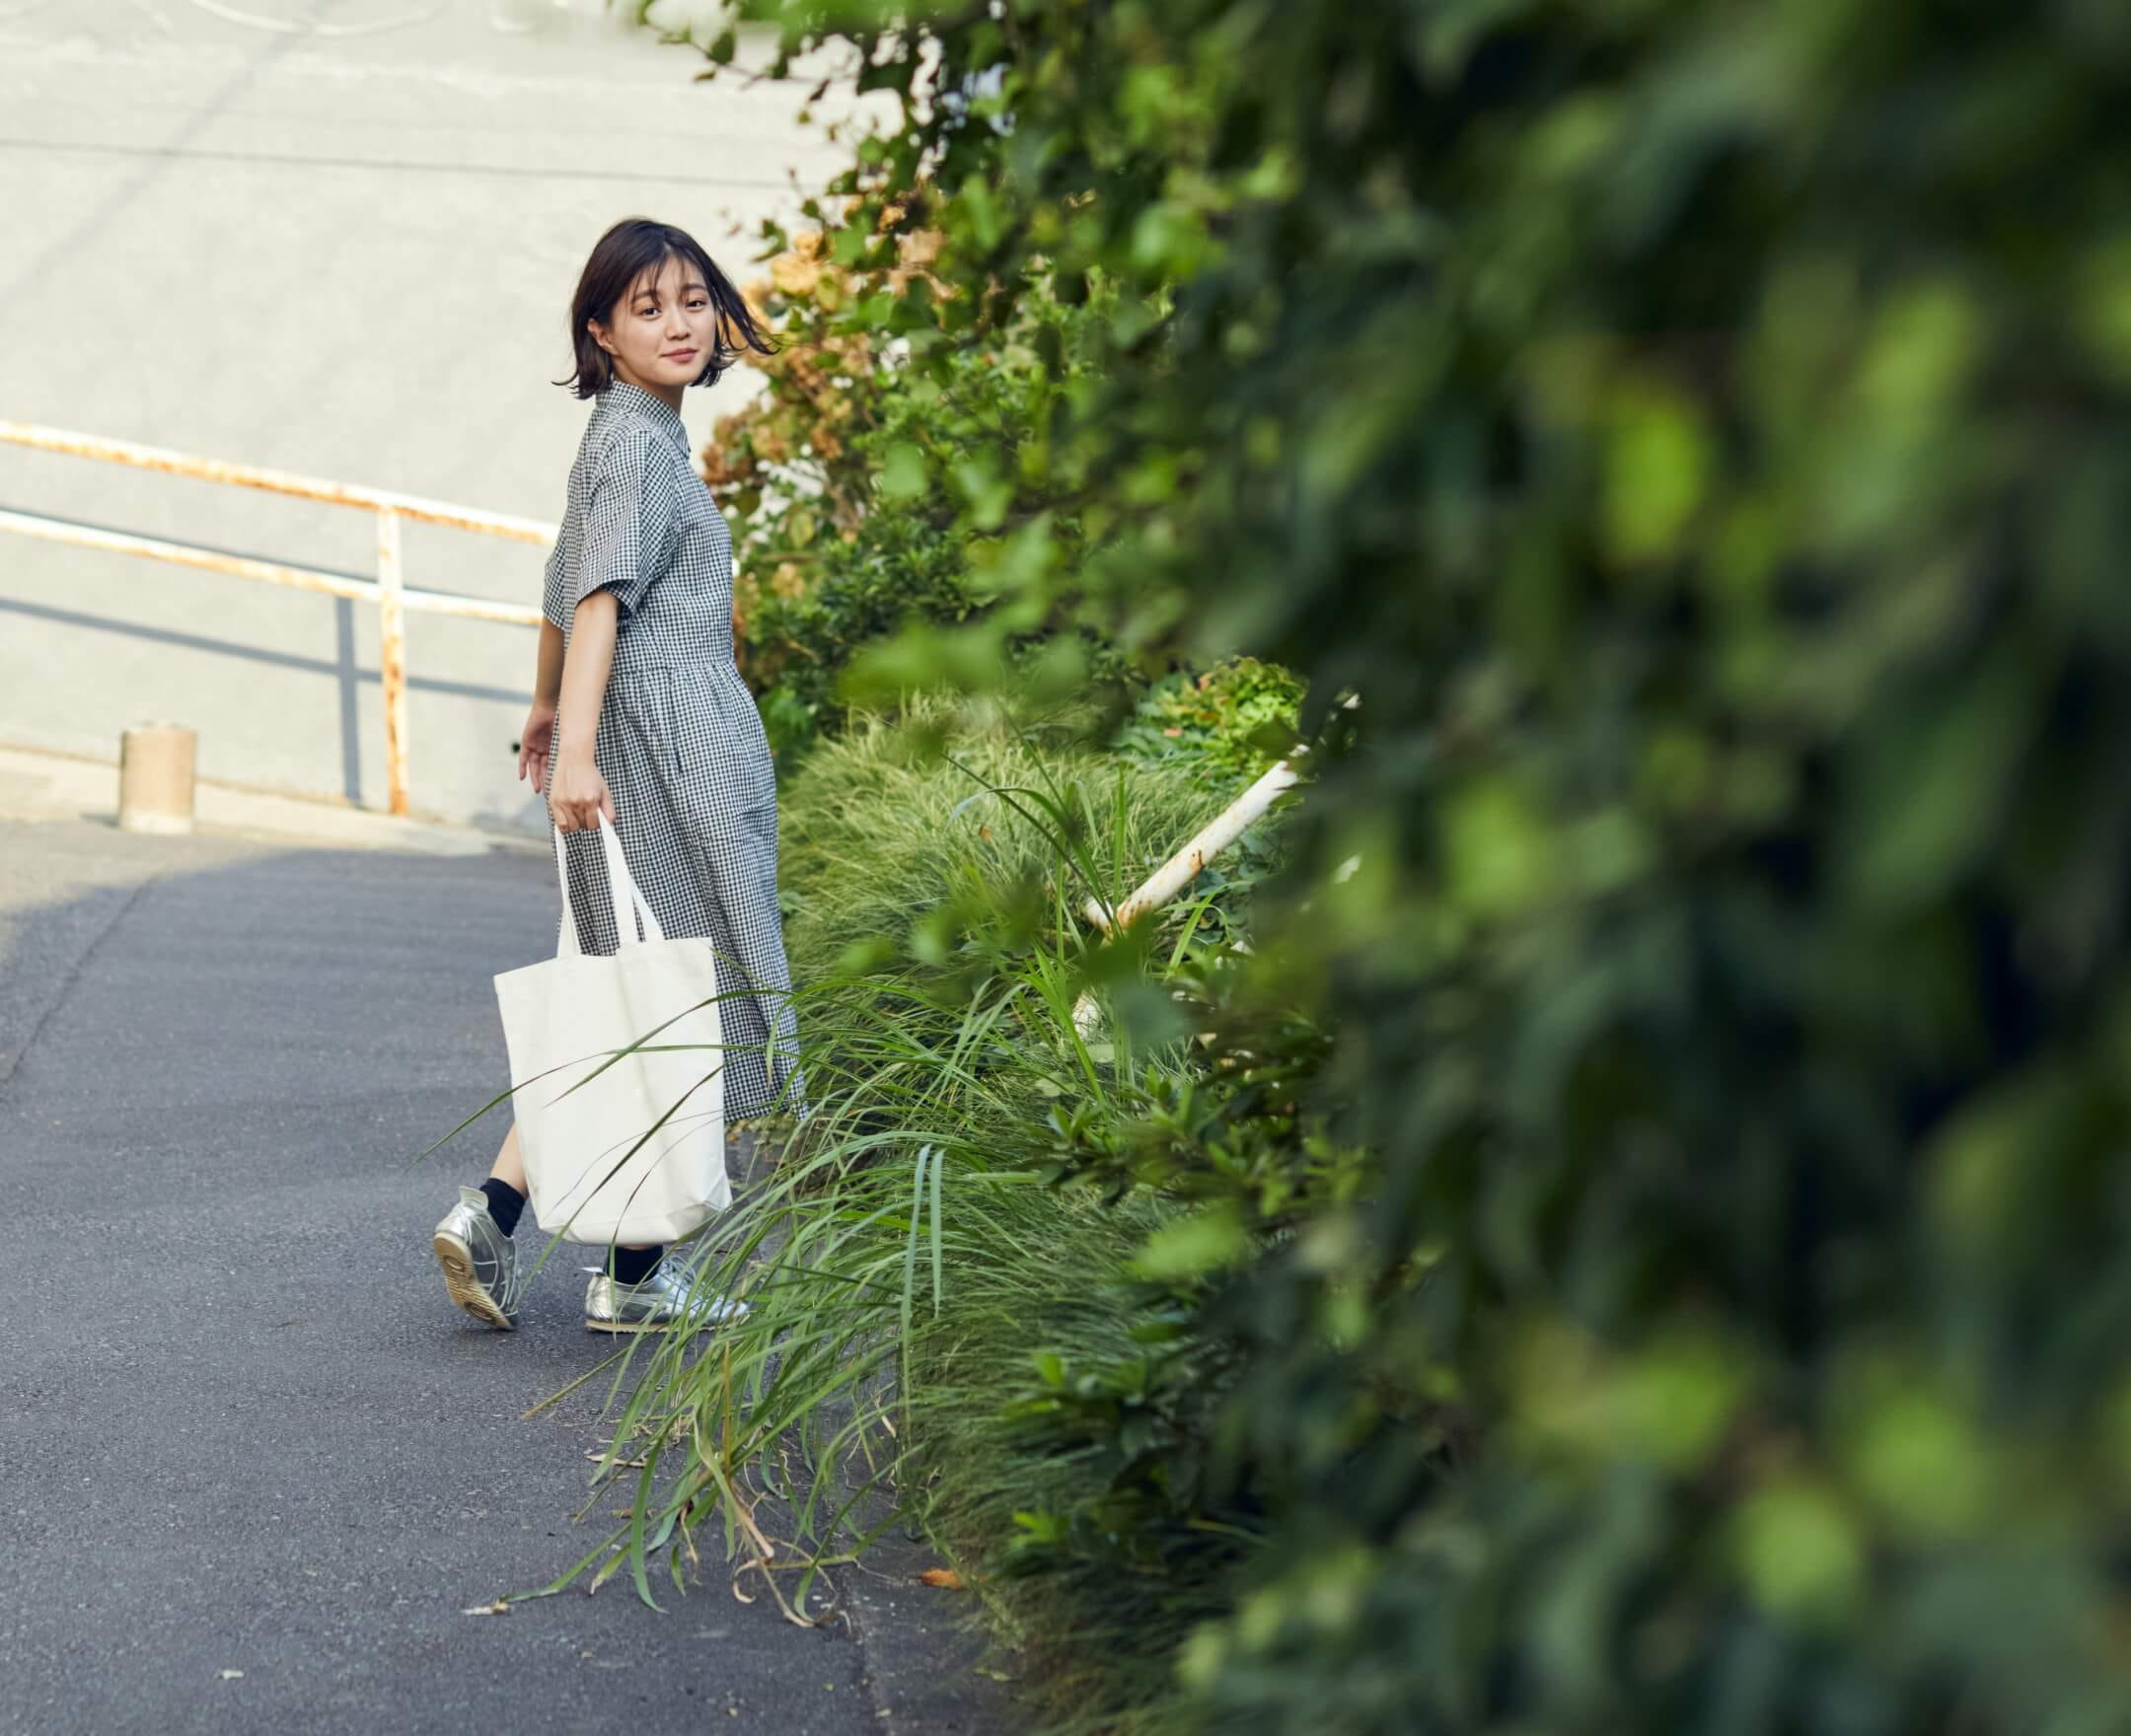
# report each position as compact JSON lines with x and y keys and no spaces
{"x":155,"y":778}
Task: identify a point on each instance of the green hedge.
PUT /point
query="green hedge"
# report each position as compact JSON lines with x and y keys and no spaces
{"x":1697,"y":433}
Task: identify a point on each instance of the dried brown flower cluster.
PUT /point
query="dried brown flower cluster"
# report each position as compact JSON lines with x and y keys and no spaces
{"x":817,"y":399}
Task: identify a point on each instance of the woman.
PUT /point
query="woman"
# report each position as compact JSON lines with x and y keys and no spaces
{"x":638,"y":642}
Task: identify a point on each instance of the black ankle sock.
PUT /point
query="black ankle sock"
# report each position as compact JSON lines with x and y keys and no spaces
{"x":505,"y":1202}
{"x":632,"y":1266}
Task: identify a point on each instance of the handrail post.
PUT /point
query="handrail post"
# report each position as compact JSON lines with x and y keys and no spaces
{"x":392,"y":656}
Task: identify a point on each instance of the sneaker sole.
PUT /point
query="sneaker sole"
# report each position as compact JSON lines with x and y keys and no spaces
{"x":651,"y":1326}
{"x":466,"y":1290}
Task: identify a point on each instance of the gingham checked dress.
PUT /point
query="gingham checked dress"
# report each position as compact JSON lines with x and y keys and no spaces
{"x":680,"y":742}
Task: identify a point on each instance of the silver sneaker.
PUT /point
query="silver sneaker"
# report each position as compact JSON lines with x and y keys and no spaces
{"x":480,"y":1261}
{"x":654,"y":1305}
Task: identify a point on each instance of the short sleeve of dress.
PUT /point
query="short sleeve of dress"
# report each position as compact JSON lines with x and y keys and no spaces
{"x":632,"y":518}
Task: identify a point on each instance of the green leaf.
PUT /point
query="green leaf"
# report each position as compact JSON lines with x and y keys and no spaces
{"x":1801,"y":1554}
{"x":1191,"y":1247}
{"x":1933,"y":779}
{"x":1657,"y":470}
{"x":1500,"y":850}
{"x":903,"y":476}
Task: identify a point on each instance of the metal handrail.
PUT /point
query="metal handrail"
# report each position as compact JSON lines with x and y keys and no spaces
{"x":389,"y":592}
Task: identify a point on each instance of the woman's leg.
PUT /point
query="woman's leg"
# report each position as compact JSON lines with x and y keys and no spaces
{"x":474,"y":1243}
{"x":510,"y":1171}
{"x":510,"y":1163}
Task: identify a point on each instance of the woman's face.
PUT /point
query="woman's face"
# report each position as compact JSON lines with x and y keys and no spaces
{"x":659,"y":334}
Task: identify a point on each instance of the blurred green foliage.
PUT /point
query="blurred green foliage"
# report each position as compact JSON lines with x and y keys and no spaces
{"x":1699,"y":435}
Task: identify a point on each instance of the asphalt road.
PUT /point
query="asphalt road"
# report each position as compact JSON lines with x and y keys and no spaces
{"x":240,"y":1427}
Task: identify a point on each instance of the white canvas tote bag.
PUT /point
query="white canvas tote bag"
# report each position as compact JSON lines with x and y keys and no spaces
{"x":634,"y":1153}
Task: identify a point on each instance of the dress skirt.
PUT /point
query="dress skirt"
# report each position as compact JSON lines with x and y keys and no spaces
{"x":680,"y":742}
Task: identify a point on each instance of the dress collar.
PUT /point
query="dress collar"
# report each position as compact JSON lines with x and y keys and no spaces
{"x":618,"y":396}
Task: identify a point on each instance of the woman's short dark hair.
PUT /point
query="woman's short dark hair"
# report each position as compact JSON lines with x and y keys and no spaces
{"x":625,"y":253}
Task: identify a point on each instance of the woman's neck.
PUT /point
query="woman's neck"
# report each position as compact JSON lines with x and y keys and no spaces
{"x":669,"y":396}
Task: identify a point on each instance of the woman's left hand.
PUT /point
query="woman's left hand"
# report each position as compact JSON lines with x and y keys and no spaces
{"x":580,"y":795}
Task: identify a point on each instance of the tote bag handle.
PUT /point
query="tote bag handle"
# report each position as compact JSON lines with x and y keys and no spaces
{"x":619,"y":887}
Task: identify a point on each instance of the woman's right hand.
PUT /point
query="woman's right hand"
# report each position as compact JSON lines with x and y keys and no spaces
{"x":536,"y":743}
{"x":577,"y":795}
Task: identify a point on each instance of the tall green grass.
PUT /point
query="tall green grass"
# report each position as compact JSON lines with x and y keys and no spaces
{"x":921,"y":1283}
{"x":898,"y":829}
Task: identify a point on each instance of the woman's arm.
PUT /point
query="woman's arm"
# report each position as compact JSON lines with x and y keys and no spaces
{"x":537,"y":740}
{"x":548,"y":668}
{"x":628,"y":532}
{"x":580,"y":795}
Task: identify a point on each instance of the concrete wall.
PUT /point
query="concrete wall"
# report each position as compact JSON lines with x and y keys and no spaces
{"x":343,"y":251}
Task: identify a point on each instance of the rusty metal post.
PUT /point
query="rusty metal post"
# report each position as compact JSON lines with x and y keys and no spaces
{"x":392,"y":656}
